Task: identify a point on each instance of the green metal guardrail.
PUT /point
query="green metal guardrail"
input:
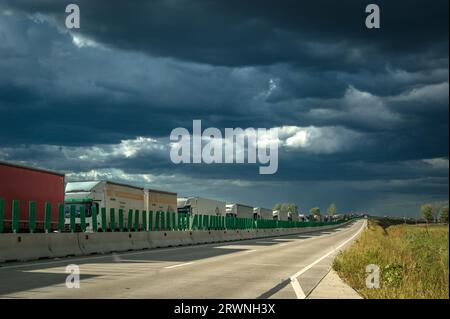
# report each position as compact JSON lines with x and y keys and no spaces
{"x":150,"y":221}
{"x":32,"y":216}
{"x":61,"y":217}
{"x":72,"y":218}
{"x":157,"y":221}
{"x":83,"y":218}
{"x":168,"y":221}
{"x":130,"y":220}
{"x":48,"y":217}
{"x":15,"y":216}
{"x":136,"y":220}
{"x":94,"y":218}
{"x":103,"y":212}
{"x":121,"y":226}
{"x":112,"y":219}
{"x":142,"y":221}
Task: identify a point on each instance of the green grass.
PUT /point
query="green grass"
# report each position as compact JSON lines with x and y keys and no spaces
{"x":413,"y":261}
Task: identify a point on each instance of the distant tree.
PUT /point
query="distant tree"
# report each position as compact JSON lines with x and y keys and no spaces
{"x":293,"y":208}
{"x":286,"y":207}
{"x":444,"y":215}
{"x":427,"y":212}
{"x":315,"y":211}
{"x":277,"y":207}
{"x":332,"y":209}
{"x":437,"y":209}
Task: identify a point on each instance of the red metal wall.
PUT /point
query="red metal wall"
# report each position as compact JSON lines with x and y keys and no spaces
{"x":27,"y":184}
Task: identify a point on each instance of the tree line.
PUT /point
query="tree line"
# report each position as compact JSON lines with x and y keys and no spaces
{"x":435,"y":212}
{"x":315,"y":211}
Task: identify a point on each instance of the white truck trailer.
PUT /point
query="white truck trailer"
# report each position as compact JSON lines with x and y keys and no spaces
{"x":160,"y":201}
{"x":280,"y":215}
{"x":239,"y":210}
{"x":107,"y":195}
{"x":102,"y":194}
{"x":292,"y":216}
{"x":262,"y":213}
{"x":198,"y":205}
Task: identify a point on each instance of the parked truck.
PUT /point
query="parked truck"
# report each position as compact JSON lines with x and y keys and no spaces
{"x":102,"y":194}
{"x":111,"y":195}
{"x":292,"y":216}
{"x":239,"y":210}
{"x":280,"y":215}
{"x":24,"y":183}
{"x":162,"y":201}
{"x":198,"y":205}
{"x":262,"y":213}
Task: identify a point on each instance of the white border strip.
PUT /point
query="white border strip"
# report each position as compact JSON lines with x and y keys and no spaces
{"x":178,"y":265}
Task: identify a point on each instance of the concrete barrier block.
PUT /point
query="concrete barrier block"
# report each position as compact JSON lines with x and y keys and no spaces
{"x":251,"y":234}
{"x":224,"y":235}
{"x":160,"y":239}
{"x":187,"y":238}
{"x":201,"y":237}
{"x":236,"y":235}
{"x":217,"y":236}
{"x":63,"y":244}
{"x":22,"y":247}
{"x":103,"y":243}
{"x":140,"y":240}
{"x":259,"y":233}
{"x":214,"y":237}
{"x":244,"y":234}
{"x":229,"y":235}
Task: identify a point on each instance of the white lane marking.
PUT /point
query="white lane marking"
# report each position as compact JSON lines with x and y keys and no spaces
{"x":250,"y":251}
{"x":259,"y":264}
{"x":294,"y":281}
{"x":179,"y":265}
{"x":297,"y":289}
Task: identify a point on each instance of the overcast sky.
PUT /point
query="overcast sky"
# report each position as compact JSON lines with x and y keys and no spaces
{"x":362,"y":114}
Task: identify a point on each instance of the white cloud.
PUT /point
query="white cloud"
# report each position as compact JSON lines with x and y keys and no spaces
{"x":428,"y":93}
{"x":368,"y":108}
{"x":110,"y":174}
{"x":300,"y":139}
{"x":319,"y":140}
{"x":130,"y":148}
{"x":81,"y":41}
{"x":438,"y":163}
{"x":359,"y":107}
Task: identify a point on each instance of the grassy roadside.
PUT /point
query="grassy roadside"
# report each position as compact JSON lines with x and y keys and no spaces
{"x":413,"y":261}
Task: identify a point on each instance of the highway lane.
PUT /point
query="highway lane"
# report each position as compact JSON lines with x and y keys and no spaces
{"x":257,"y":268}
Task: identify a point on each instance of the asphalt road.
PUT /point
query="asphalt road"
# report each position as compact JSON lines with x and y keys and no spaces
{"x":282,"y":267}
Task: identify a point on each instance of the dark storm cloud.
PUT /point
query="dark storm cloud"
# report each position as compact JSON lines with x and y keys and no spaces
{"x":315,"y":34}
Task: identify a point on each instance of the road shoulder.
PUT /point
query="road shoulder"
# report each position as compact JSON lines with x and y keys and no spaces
{"x":332,"y":287}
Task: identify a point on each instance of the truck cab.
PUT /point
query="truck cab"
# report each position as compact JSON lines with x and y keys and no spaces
{"x":276,"y":215}
{"x":83,"y":195}
{"x":86,"y":203}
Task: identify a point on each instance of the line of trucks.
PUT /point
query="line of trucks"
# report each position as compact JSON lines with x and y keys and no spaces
{"x":18,"y":182}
